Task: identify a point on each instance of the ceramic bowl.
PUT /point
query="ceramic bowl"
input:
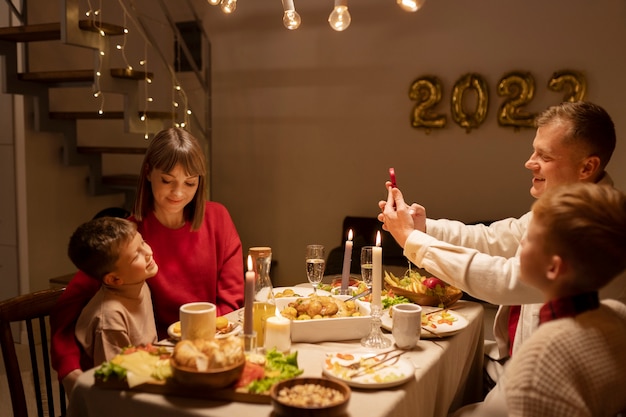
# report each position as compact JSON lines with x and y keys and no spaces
{"x":212,"y":378}
{"x":283,"y":408}
{"x":329,"y":329}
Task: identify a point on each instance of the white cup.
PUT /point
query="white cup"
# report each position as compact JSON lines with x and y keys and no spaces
{"x":407,"y":325}
{"x":197,"y":321}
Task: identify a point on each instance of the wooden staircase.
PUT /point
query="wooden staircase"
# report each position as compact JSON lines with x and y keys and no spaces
{"x":124,"y":81}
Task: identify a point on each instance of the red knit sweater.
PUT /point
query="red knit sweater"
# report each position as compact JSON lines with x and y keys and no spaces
{"x":205,"y":265}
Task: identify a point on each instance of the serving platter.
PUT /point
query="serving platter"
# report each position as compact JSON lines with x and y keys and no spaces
{"x":388,"y":374}
{"x":435,"y":323}
{"x":160,"y":372}
{"x":329,"y":329}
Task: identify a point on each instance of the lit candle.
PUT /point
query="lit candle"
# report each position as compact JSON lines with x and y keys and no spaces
{"x":377,"y":271}
{"x":277,"y":333}
{"x":347,"y":259}
{"x":248,"y":299}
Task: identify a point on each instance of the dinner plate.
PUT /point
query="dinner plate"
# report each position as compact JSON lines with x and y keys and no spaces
{"x":436,"y":326}
{"x":235,"y":329}
{"x":299,"y":291}
{"x":392,"y":373}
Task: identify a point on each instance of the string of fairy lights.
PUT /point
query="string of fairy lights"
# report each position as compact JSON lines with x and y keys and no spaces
{"x":178,"y":94}
{"x":339,"y":18}
{"x":96,"y":18}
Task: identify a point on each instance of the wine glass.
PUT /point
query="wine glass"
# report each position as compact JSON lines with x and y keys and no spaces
{"x":315,"y":264}
{"x":366,"y":265}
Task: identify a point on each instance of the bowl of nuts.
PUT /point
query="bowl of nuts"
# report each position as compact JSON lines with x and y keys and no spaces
{"x":310,"y":397}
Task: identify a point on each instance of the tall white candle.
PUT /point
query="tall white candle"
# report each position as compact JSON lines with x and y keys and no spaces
{"x":277,"y":333}
{"x":347,"y":259}
{"x":248,"y":299}
{"x":377,"y":271}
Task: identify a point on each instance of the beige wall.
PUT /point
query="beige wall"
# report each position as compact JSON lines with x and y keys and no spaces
{"x":306,"y":123}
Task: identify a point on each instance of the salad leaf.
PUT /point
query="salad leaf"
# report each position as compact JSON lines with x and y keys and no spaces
{"x":278,"y":367}
{"x":110,"y":370}
{"x":392,"y":299}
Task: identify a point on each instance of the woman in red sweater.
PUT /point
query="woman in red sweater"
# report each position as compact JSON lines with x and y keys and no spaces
{"x":194,"y":242}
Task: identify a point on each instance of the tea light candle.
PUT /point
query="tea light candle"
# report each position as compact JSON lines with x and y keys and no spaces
{"x":277,"y":333}
{"x":347,"y":260}
{"x":248,"y":299}
{"x":377,"y":271}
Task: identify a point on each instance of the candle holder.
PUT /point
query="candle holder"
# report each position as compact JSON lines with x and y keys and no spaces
{"x":249,"y":342}
{"x":376,"y":339}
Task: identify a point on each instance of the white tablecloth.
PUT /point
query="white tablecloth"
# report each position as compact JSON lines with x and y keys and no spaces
{"x":448,"y":374}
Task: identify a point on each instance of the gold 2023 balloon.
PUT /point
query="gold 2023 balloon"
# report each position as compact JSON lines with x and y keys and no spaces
{"x":519,"y":90}
{"x":576,"y":82}
{"x":426,"y":91}
{"x":464,"y":119}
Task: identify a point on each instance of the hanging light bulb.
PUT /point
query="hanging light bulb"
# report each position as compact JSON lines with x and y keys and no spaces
{"x":340,"y":18}
{"x":410,"y":5}
{"x":228,"y":6}
{"x":291,"y":18}
{"x":214,"y":2}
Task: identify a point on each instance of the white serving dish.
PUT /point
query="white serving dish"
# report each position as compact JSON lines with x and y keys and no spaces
{"x":331,"y":329}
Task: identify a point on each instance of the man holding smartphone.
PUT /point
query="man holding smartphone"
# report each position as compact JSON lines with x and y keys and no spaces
{"x":573,"y":143}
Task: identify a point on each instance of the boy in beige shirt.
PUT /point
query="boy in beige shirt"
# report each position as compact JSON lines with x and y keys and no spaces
{"x":111,"y":250}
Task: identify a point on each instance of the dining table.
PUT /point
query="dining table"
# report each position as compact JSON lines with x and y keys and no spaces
{"x":448,"y":375}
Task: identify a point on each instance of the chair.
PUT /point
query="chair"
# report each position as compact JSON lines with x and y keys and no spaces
{"x":364,"y":230}
{"x":33,"y":310}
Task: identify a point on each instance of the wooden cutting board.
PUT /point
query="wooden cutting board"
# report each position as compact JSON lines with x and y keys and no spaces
{"x":171,"y":387}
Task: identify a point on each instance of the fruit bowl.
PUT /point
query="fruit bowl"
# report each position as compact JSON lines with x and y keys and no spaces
{"x":451,"y":296}
{"x":425,"y":291}
{"x":296,"y":397}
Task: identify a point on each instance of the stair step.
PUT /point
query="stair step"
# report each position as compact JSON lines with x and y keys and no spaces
{"x":120,"y":181}
{"x":130,"y":74}
{"x":80,"y":76}
{"x":109,"y":29}
{"x":110,"y":150}
{"x":52,"y":31}
{"x":89,"y":115}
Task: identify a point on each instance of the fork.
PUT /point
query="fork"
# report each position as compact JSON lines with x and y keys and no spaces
{"x":363,"y":370}
{"x":357,"y":364}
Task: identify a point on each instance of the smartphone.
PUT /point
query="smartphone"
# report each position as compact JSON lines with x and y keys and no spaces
{"x":392,"y":177}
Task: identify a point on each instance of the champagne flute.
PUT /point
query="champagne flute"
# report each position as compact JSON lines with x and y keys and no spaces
{"x":315,"y":264}
{"x":366,"y":265}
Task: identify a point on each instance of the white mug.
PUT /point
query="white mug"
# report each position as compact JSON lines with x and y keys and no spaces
{"x":407,"y":325}
{"x":197,"y":321}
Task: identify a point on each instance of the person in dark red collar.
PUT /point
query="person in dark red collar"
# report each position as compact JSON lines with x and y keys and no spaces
{"x":574,"y":364}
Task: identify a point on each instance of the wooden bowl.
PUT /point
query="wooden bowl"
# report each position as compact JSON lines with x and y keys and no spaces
{"x":452,"y":295}
{"x":212,"y":378}
{"x":335,"y":409}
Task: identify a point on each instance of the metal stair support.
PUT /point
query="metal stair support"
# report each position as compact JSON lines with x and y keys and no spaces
{"x":37,"y":85}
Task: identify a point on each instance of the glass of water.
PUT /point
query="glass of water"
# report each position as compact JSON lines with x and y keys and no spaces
{"x":366,"y":265}
{"x":315,"y":263}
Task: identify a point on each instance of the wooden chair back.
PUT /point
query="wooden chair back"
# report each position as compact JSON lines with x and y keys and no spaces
{"x":33,"y":310}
